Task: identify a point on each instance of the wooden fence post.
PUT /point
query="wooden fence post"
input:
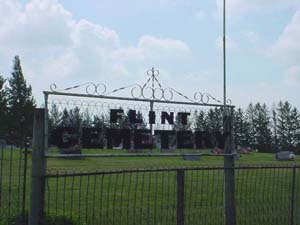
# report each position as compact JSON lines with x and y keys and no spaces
{"x":180,"y":197}
{"x":38,"y":169}
{"x":229,"y":182}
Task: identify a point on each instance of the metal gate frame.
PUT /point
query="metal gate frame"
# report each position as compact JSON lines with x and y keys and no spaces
{"x":158,"y":94}
{"x":138,"y":94}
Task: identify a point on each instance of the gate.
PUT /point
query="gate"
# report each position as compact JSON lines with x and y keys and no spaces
{"x":152,"y":118}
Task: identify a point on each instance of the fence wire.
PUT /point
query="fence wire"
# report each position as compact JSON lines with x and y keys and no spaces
{"x":13,"y":185}
{"x":264,"y":195}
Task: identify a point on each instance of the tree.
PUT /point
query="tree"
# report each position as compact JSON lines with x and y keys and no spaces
{"x":87,"y":120}
{"x":262,"y":127}
{"x":101,"y":122}
{"x":3,"y":108}
{"x":241,"y":128}
{"x":20,"y":102}
{"x":54,"y":117}
{"x":285,"y":125}
{"x":65,"y":119}
{"x":274,"y":126}
{"x":142,"y":125}
{"x":295,"y":121}
{"x":250,"y":115}
{"x":75,"y":118}
{"x":200,"y":121}
{"x":179,"y":126}
{"x":214,"y":120}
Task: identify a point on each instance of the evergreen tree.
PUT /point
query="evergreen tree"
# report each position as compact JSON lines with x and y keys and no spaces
{"x":54,"y":117}
{"x":295,"y":121}
{"x":214,"y":119}
{"x":20,"y":102}
{"x":142,"y":125}
{"x":3,"y":108}
{"x":75,"y":118}
{"x":241,"y":128}
{"x":87,"y":120}
{"x":250,"y":115}
{"x":65,"y":119}
{"x":285,"y":125}
{"x":178,"y":126}
{"x":200,"y":121}
{"x":274,"y":126}
{"x":297,"y":132}
{"x":101,"y":122}
{"x":262,"y":126}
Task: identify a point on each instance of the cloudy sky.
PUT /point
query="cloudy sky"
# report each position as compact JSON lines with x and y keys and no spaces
{"x":115,"y":41}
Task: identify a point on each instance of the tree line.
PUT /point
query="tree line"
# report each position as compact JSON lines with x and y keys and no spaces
{"x":257,"y":126}
{"x":16,"y":106}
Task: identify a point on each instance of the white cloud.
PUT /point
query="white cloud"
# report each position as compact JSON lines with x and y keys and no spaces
{"x":200,"y":15}
{"x":230,"y":43}
{"x":85,"y":33}
{"x":41,"y":24}
{"x":287,"y":47}
{"x":293,"y":76}
{"x":153,"y":45}
{"x":166,"y":3}
{"x":150,"y":47}
{"x":251,"y":37}
{"x":242,"y":7}
{"x":8,"y":10}
{"x":119,"y":69}
{"x":54,"y":47}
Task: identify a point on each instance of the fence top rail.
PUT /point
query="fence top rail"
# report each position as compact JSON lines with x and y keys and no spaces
{"x":65,"y":156}
{"x":47,"y":93}
{"x":93,"y":173}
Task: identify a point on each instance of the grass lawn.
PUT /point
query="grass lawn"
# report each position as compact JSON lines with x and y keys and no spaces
{"x":152,"y":162}
{"x":149,"y":198}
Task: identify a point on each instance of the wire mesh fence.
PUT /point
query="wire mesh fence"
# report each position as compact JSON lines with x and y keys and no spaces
{"x":14,"y":186}
{"x":264,"y":195}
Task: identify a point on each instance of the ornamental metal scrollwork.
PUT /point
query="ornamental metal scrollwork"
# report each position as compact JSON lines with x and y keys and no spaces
{"x":136,"y":89}
{"x":206,"y":98}
{"x":150,"y":90}
{"x":166,"y":92}
{"x":96,"y":89}
{"x":90,"y":88}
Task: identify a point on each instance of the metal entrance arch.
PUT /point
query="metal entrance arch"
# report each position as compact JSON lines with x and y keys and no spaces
{"x":151,"y":96}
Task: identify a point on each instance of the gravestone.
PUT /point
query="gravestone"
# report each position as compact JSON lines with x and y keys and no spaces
{"x":191,"y":157}
{"x":285,"y":156}
{"x":75,"y":149}
{"x":2,"y":143}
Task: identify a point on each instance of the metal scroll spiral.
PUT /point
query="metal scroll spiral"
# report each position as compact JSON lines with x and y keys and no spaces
{"x":145,"y":92}
{"x":90,"y":88}
{"x":206,"y":98}
{"x":96,"y":89}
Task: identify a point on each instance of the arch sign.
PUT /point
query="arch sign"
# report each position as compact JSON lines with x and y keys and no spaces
{"x":152,"y":117}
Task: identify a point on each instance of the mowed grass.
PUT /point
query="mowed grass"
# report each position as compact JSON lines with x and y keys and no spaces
{"x":155,"y":162}
{"x":263,"y":196}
